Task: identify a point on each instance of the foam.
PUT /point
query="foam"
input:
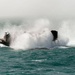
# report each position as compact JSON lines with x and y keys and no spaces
{"x":38,"y":35}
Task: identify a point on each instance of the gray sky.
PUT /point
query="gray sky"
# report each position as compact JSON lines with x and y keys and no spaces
{"x":37,"y":8}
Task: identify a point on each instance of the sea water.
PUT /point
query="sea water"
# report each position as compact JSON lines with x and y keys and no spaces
{"x":32,"y":51}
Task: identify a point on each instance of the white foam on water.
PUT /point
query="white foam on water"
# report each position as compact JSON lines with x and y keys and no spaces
{"x":39,"y":35}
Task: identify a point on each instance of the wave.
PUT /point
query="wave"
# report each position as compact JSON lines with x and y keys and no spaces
{"x":38,"y":34}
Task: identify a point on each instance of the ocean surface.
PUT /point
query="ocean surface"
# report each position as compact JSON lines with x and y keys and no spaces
{"x":32,"y":50}
{"x":37,"y":62}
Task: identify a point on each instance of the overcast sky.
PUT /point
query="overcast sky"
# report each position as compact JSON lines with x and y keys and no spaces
{"x":37,"y":8}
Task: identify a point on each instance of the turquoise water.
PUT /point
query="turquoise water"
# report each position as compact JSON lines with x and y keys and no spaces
{"x":37,"y":61}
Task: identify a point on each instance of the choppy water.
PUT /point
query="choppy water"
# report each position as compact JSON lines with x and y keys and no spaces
{"x":32,"y":51}
{"x":37,"y":62}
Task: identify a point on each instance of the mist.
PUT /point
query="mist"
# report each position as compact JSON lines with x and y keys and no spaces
{"x":37,"y":8}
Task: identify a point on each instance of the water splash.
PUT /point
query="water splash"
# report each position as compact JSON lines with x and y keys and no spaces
{"x":38,"y":35}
